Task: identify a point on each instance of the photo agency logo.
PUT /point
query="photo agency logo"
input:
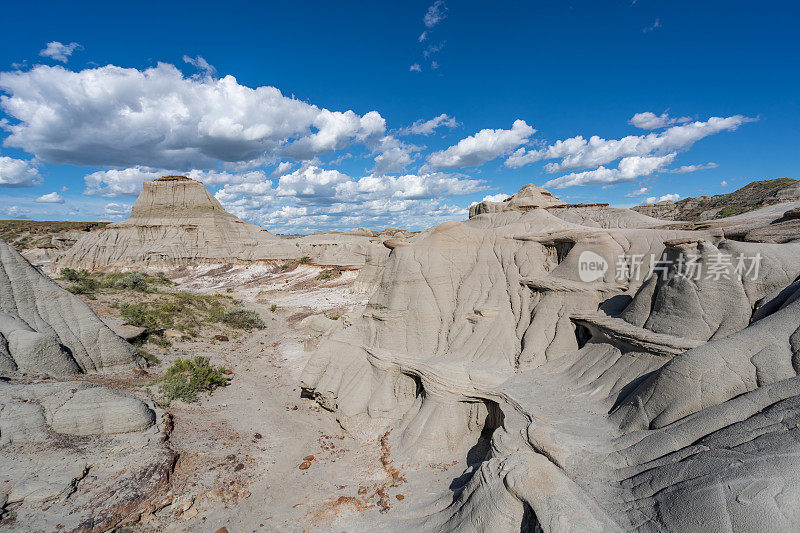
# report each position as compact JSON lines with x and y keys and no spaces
{"x":714,"y":267}
{"x":591,"y":266}
{"x":641,"y":267}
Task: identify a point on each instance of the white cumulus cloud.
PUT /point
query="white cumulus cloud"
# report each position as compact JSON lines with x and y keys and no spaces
{"x":58,"y":51}
{"x":392,"y":155}
{"x":685,"y":169}
{"x":666,"y":198}
{"x":493,"y":198}
{"x":637,"y":193}
{"x":578,"y":153}
{"x":116,"y":210}
{"x":282,"y":168}
{"x":17,"y":211}
{"x":50,"y":198}
{"x":201,"y":64}
{"x":124,"y":117}
{"x":650,"y":121}
{"x":427,"y":127}
{"x":336,"y":130}
{"x":128,"y":181}
{"x":392,"y":160}
{"x":18,"y":173}
{"x":312,"y":197}
{"x":629,"y":169}
{"x":484,"y":146}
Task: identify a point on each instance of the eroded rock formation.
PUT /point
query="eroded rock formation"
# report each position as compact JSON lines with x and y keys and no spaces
{"x":528,"y":197}
{"x":176,"y":221}
{"x":56,"y":429}
{"x":600,"y":370}
{"x":748,"y":198}
{"x":45,"y":329}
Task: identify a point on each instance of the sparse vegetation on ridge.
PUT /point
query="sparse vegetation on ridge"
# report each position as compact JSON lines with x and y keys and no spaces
{"x":188,"y":313}
{"x":291,"y":264}
{"x":88,"y":283}
{"x":185,"y":378}
{"x":82,"y":281}
{"x":329,"y":273}
{"x":144,"y":301}
{"x":26,"y":234}
{"x":241,"y":318}
{"x":750,"y":197}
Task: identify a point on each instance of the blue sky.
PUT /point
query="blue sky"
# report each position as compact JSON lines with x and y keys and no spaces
{"x":301,"y":116}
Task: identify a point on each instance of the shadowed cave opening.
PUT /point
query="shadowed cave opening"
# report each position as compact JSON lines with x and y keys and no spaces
{"x":582,"y":335}
{"x":481,"y":450}
{"x":494,"y":419}
{"x":557,"y":251}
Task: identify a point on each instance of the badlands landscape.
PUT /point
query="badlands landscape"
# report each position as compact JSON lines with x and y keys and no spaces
{"x":402,"y":267}
{"x":535,"y":366}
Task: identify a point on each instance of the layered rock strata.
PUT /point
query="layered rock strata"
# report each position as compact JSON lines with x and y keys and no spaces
{"x":599,"y":370}
{"x":176,"y":221}
{"x":74,"y":456}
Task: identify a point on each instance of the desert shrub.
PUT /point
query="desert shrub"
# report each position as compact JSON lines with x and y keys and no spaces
{"x":137,"y":281}
{"x":730,"y":211}
{"x":83,"y":282}
{"x":134,"y":281}
{"x":273,"y":307}
{"x":329,"y":273}
{"x":242,"y":318}
{"x":305,"y":259}
{"x":141,"y":316}
{"x":82,"y":288}
{"x":188,"y":312}
{"x":88,"y":283}
{"x":186,"y":377}
{"x":160,"y":340}
{"x":70,"y":274}
{"x":177,"y":388}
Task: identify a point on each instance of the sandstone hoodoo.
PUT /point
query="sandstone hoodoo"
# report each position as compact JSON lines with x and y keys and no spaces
{"x":528,"y":197}
{"x":175,"y":220}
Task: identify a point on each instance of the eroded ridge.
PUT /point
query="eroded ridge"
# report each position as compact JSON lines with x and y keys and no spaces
{"x":643,"y":395}
{"x":176,"y":221}
{"x":74,"y":455}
